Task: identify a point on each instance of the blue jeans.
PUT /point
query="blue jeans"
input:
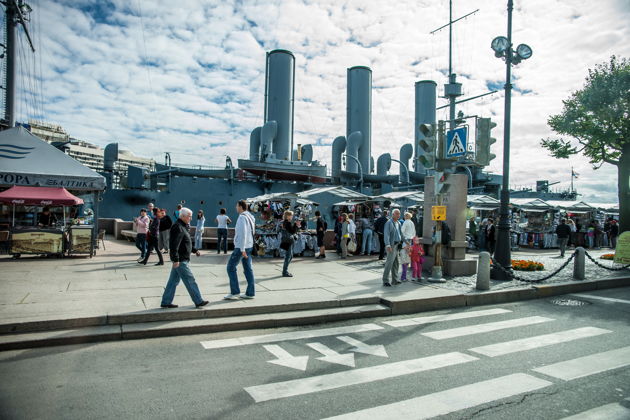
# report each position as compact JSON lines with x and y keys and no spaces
{"x":367,"y":240}
{"x":182,"y":272}
{"x":235,"y":258}
{"x":141,"y":243}
{"x":222,"y":238}
{"x":288,"y":256}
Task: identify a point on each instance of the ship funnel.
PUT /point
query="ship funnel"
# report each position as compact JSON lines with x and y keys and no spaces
{"x":338,"y":147}
{"x":383,"y":164}
{"x":425,"y":114}
{"x":110,"y":156}
{"x":254,"y":144}
{"x":355,"y":140}
{"x":406,"y":152}
{"x":279,"y":91}
{"x":359,"y":111}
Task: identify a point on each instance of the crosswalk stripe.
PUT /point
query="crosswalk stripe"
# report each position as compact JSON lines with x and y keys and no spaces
{"x":336,"y":380}
{"x":612,"y":411}
{"x":444,"y":317}
{"x":587,"y":365}
{"x":293,"y":335}
{"x":482,"y":328}
{"x":451,"y":400}
{"x":584,"y":295}
{"x":524,"y":344}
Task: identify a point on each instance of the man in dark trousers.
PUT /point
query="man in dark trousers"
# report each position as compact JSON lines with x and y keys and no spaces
{"x":491,"y":238}
{"x":180,"y":248}
{"x":379,"y":228}
{"x":563,"y":231}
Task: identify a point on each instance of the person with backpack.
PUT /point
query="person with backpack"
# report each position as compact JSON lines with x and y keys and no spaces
{"x":243,"y":247}
{"x":321,"y":228}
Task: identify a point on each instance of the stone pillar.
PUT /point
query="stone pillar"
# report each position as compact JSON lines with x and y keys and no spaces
{"x":579,"y":272}
{"x":483,"y":271}
{"x":455,"y":200}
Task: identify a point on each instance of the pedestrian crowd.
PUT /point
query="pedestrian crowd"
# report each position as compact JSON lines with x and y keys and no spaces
{"x":399,"y":239}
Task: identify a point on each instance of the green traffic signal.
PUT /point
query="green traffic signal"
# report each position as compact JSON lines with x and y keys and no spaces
{"x":484,"y":141}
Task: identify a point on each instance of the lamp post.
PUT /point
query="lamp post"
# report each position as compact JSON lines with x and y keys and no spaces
{"x":502,"y":47}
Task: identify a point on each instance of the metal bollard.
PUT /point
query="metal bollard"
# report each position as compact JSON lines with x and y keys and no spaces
{"x":483,"y":271}
{"x":579,"y":272}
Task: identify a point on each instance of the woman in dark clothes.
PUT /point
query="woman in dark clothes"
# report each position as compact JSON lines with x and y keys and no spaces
{"x":322,"y":226}
{"x":291,"y":228}
{"x":152,"y":238}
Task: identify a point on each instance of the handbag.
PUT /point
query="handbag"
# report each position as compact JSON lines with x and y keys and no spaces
{"x":352,"y":245}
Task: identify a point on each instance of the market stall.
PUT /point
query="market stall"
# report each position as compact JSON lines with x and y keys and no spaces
{"x":534,"y":223}
{"x":29,"y":162}
{"x":269,"y":209}
{"x":35,"y":228}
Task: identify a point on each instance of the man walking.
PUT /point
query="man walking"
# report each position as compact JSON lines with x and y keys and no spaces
{"x":563,"y":231}
{"x":180,"y":248}
{"x":379,"y":227}
{"x":392,"y":236}
{"x":243,"y":245}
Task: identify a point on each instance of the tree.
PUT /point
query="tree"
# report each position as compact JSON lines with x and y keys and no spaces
{"x":598,"y":120}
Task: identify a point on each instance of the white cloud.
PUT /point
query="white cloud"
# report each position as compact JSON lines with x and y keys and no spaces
{"x":190,"y":79}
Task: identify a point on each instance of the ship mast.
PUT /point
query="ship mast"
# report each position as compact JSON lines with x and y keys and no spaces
{"x":16,"y":13}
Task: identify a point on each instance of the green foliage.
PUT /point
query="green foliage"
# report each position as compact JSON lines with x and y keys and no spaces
{"x":597,"y":116}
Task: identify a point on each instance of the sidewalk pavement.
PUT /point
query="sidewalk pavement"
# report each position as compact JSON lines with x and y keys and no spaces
{"x":46,"y":301}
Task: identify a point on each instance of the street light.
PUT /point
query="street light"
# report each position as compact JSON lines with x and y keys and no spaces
{"x":502,"y":48}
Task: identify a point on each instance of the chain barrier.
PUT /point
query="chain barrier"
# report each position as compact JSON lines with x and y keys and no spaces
{"x":597,"y":263}
{"x":511,"y":274}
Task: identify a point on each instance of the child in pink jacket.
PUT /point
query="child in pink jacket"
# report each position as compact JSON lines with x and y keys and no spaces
{"x":416,"y":252}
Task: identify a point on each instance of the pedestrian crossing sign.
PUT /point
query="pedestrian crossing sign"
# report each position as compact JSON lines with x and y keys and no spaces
{"x":438,"y":213}
{"x":456,"y":142}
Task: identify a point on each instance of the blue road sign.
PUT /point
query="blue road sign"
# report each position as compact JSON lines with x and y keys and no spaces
{"x":456,"y":142}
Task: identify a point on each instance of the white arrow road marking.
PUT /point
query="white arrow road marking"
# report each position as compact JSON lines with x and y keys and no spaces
{"x":284,"y":358}
{"x":332,"y":356}
{"x":360,"y":347}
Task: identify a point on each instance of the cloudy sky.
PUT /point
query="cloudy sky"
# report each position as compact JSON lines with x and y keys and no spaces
{"x":188,"y":76}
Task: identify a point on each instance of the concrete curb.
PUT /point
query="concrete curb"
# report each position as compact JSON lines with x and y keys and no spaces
{"x":158,"y":315}
{"x":129,"y":327}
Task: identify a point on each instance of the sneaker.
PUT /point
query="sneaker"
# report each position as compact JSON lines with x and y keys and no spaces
{"x":246,"y":297}
{"x":387,"y":285}
{"x":202,"y":303}
{"x":287,"y":275}
{"x":230,"y":297}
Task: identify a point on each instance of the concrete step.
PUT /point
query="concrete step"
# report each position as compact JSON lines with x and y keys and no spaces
{"x":129,"y":331}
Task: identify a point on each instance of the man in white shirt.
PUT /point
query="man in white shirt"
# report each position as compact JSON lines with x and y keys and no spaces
{"x":223,"y":221}
{"x":243,"y":245}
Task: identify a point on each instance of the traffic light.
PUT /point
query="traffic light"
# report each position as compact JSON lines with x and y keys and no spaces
{"x":428,"y":145}
{"x":440,"y":183}
{"x":484,"y":141}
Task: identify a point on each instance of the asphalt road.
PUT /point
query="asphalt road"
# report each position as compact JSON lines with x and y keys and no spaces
{"x":455,"y":364}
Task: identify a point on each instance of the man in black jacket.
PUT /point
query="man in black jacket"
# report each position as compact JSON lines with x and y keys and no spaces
{"x":563,"y":231}
{"x":379,"y":227}
{"x":180,"y":249}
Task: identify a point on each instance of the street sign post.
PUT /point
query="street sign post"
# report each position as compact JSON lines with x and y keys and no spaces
{"x":438,"y":213}
{"x":456,"y":141}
